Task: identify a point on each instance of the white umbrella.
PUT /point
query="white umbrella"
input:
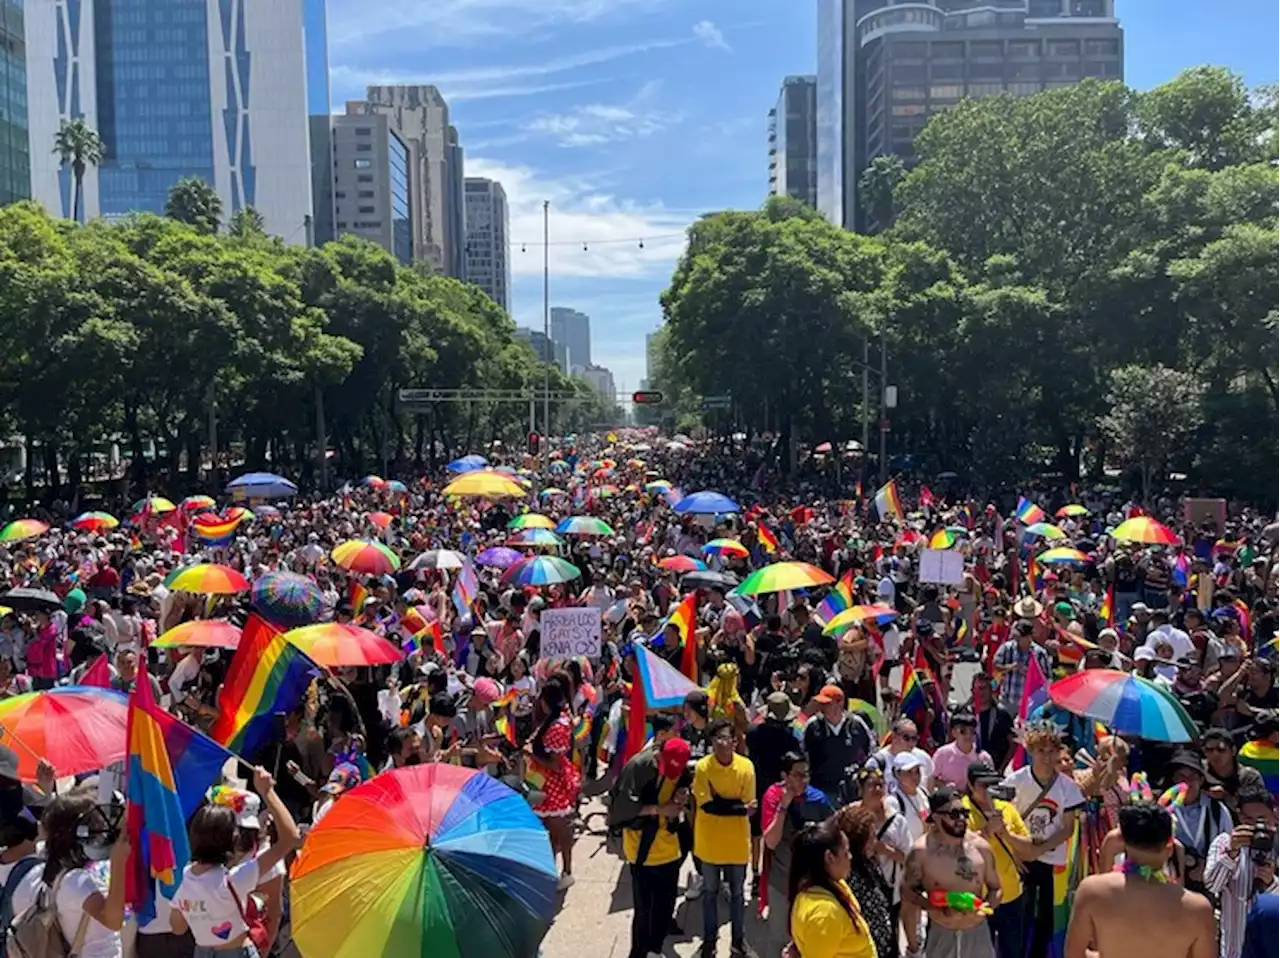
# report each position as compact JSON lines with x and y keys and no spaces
{"x":438,"y":559}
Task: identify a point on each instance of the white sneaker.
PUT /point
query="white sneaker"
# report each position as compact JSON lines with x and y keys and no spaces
{"x":564,"y":882}
{"x":694,"y":889}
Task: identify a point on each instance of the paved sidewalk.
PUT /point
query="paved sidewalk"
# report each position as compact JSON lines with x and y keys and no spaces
{"x":595,"y":920}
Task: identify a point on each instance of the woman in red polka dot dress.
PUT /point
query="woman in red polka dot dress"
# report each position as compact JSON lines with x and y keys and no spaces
{"x":552,"y":746}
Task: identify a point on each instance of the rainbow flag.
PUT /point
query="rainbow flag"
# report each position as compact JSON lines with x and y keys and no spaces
{"x":1246,"y":620}
{"x":267,"y":675}
{"x":535,"y":774}
{"x":357,"y":595}
{"x":1107,"y":611}
{"x":888,"y":502}
{"x":506,"y":700}
{"x":915,"y":703}
{"x":837,"y":600}
{"x":1263,"y":756}
{"x":683,"y":617}
{"x":169,"y":767}
{"x":212,"y":530}
{"x":1028,"y":512}
{"x":767,"y":539}
{"x":1033,"y":576}
{"x":857,"y":491}
{"x":504,"y":726}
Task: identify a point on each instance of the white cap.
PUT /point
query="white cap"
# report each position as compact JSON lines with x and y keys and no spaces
{"x":1144,"y":654}
{"x":906,"y":761}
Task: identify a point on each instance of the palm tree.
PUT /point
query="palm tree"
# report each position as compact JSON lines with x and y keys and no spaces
{"x":77,"y":143}
{"x":193,"y":201}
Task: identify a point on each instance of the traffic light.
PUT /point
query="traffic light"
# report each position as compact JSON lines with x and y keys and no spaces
{"x":534,"y":442}
{"x":646,"y":397}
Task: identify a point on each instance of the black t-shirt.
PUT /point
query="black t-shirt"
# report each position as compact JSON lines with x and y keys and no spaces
{"x":812,"y":638}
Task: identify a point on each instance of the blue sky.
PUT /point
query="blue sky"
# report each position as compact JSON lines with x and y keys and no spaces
{"x":634,"y":116}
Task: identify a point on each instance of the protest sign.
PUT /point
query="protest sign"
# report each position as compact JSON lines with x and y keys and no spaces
{"x":570,"y":632}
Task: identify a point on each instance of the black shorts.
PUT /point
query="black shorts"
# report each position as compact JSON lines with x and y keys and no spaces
{"x":889,"y":665}
{"x":754,"y":818}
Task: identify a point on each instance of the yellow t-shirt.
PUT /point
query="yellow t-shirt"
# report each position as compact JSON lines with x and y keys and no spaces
{"x":1006,"y":867}
{"x":823,"y":929}
{"x":723,"y":839}
{"x":666,"y":846}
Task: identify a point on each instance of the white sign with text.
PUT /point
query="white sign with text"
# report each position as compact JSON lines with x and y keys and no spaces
{"x":570,"y":632}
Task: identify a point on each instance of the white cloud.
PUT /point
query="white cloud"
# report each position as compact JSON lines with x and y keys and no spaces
{"x":710,"y":34}
{"x":440,"y":23}
{"x":594,"y":124}
{"x":581,"y":213}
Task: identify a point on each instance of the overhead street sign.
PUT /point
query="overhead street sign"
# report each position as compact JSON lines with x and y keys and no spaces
{"x":717,"y":402}
{"x":646,"y":397}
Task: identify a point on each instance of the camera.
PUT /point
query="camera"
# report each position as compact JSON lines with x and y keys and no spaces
{"x":1263,"y":846}
{"x":1004,"y":793}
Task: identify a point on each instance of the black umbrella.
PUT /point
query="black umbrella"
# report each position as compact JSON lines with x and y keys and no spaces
{"x":706,"y":578}
{"x":31,"y":600}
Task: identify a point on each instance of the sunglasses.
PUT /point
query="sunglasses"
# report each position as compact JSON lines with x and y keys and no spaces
{"x":913,"y":737}
{"x":955,"y":814}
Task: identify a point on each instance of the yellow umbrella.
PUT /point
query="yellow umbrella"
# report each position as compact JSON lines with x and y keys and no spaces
{"x":485,"y":483}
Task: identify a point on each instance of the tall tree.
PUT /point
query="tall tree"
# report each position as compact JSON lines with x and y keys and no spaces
{"x":78,"y":144}
{"x":1154,"y":412}
{"x":876,"y":186}
{"x":196,"y":203}
{"x":246,"y":223}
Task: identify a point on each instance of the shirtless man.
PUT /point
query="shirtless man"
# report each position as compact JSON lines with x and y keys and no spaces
{"x":949,"y":858}
{"x":1136,"y":911}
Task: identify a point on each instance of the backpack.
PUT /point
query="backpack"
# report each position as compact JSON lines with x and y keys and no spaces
{"x":19,"y":871}
{"x":36,"y":933}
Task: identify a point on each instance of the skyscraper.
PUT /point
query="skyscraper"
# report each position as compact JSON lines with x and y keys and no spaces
{"x":573,"y":329}
{"x":422,"y":116}
{"x":793,"y":141}
{"x":884,"y":68}
{"x":547,"y":350}
{"x":455,"y":206}
{"x":175,"y":88}
{"x":316,"y":43}
{"x":15,"y":156}
{"x":488,"y":238}
{"x":373,"y":183}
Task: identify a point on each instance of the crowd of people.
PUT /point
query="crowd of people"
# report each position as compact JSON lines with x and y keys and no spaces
{"x":848,"y":775}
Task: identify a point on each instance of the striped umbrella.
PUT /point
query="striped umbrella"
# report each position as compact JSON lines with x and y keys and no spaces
{"x":1125,"y":702}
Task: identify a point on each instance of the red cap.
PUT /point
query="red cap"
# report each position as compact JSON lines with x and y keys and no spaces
{"x":674,"y":758}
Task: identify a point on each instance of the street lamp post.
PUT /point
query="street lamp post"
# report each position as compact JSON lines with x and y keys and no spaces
{"x":546,"y":329}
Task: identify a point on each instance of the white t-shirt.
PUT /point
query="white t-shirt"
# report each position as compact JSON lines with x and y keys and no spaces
{"x":24,"y":895}
{"x":74,"y":889}
{"x":1044,"y":815}
{"x":207,"y":905}
{"x":914,"y":810}
{"x":897,"y":835}
{"x":885,"y":757}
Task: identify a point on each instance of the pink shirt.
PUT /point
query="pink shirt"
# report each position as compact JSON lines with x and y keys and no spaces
{"x":950,"y":765}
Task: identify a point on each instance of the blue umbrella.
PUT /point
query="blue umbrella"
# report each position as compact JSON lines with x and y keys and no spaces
{"x":261,"y":485}
{"x":468,"y":463}
{"x":706,"y":502}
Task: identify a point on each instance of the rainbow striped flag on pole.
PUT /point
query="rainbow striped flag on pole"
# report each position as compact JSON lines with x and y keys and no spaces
{"x":888,"y":502}
{"x":1028,"y":512}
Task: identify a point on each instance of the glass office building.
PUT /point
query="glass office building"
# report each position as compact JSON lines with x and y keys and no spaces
{"x":215,"y":89}
{"x":15,"y":156}
{"x":398,"y":192}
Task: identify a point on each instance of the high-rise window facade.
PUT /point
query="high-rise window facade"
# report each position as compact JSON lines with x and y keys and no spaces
{"x":401,"y":206}
{"x":15,"y":156}
{"x":154,"y":111}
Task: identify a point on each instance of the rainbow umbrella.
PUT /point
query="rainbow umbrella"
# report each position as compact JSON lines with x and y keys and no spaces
{"x":682,"y":564}
{"x":237,"y":514}
{"x":23,"y":529}
{"x":192,"y":503}
{"x":287,"y":599}
{"x":396,"y":488}
{"x":1139,"y":529}
{"x":872,"y":714}
{"x":584,"y":526}
{"x":540,"y":570}
{"x":1045,"y":530}
{"x":205,"y":633}
{"x":77,"y":728}
{"x":380,"y":519}
{"x":1061,"y":555}
{"x":550,"y":491}
{"x":1126,"y":703}
{"x":725,"y":547}
{"x":856,"y":615}
{"x":499,"y":557}
{"x":366,"y":557}
{"x":431,"y":859}
{"x":531,"y":520}
{"x":535,"y":539}
{"x":658,"y":485}
{"x":1071,"y":510}
{"x":94,"y":521}
{"x":783,"y":576}
{"x":1262,"y":755}
{"x":207,"y":578}
{"x":559,"y":465}
{"x":485,"y":483}
{"x":943,"y":539}
{"x":606,"y":491}
{"x":157,"y":503}
{"x":374,"y":482}
{"x":334,"y":645}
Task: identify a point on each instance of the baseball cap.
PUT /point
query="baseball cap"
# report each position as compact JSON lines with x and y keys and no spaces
{"x":906,"y":761}
{"x":246,"y":805}
{"x":1064,"y":608}
{"x":674,"y":757}
{"x":1144,"y":654}
{"x":829,"y":694}
{"x":1139,"y":607}
{"x":780,"y":706}
{"x":343,"y":778}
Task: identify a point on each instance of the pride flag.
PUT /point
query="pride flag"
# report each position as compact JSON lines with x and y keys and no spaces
{"x":1028,"y":512}
{"x":683,"y":618}
{"x":1246,"y":620}
{"x":267,"y":674}
{"x":212,"y":530}
{"x":357,"y":595}
{"x":169,"y":767}
{"x":1263,"y":756}
{"x":1181,"y":571}
{"x":1034,"y":694}
{"x":767,"y":539}
{"x":888,"y":502}
{"x":1107,"y":612}
{"x":465,"y":589}
{"x":837,"y":600}
{"x":915,"y":703}
{"x":503,"y":725}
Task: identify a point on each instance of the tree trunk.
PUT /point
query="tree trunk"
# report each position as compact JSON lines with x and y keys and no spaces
{"x":322,"y":442}
{"x":29,"y":473}
{"x":137,"y":454}
{"x":53,"y":481}
{"x":77,"y":171}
